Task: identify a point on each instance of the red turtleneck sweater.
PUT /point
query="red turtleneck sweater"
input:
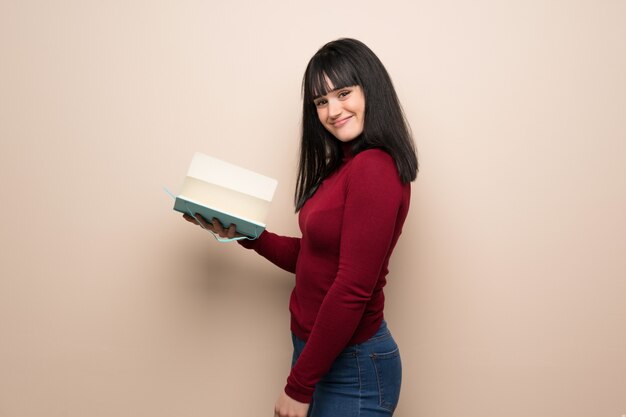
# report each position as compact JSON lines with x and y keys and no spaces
{"x":349,"y":229}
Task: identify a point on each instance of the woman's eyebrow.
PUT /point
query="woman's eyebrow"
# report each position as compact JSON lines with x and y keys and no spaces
{"x":328,"y":92}
{"x":324,"y":95}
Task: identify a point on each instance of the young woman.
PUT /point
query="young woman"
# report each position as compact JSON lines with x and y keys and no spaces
{"x":357,"y":160}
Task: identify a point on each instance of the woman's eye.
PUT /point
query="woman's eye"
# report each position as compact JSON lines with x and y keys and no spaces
{"x":320,"y":103}
{"x":344,"y":93}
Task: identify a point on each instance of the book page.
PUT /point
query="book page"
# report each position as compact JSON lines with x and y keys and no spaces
{"x":225,"y":200}
{"x":215,"y":171}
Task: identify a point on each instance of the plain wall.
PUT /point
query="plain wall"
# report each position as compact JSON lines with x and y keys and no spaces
{"x":507,"y":290}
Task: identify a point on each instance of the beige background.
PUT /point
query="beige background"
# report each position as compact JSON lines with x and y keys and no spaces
{"x":507,"y":291}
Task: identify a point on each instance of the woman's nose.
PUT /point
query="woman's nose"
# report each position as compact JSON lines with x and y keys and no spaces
{"x":334,"y":108}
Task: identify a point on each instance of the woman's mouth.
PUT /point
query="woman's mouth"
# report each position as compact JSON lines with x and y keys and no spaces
{"x":341,"y":122}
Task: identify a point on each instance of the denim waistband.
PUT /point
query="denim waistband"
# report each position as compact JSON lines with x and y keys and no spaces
{"x":381,"y":334}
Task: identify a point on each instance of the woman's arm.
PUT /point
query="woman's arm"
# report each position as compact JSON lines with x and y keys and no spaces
{"x":370,"y":224}
{"x":282,"y":251}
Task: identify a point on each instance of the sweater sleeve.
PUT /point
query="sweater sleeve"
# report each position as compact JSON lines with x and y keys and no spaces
{"x":282,"y":251}
{"x":374,"y":195}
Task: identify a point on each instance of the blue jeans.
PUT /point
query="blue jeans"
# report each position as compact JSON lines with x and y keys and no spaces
{"x":364,"y":380}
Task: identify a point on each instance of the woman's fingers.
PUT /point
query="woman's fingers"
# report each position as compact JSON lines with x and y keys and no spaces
{"x":222,"y":231}
{"x":190,"y":219}
{"x":214,"y":225}
{"x":218,"y":228}
{"x":202,"y":222}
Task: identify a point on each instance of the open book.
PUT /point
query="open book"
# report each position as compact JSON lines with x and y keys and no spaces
{"x":214,"y":188}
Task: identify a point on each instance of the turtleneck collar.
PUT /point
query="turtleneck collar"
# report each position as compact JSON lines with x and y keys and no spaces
{"x":346,"y":147}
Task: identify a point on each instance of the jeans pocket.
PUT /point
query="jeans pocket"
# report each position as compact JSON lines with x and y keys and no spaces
{"x":389,"y":376}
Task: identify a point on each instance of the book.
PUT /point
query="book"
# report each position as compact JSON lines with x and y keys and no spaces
{"x":232,"y":194}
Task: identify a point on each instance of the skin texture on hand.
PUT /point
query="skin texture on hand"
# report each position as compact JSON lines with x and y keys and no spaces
{"x":214,"y":226}
{"x":288,"y":407}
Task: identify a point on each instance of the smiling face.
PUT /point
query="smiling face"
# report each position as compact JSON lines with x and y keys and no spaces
{"x":342,"y":111}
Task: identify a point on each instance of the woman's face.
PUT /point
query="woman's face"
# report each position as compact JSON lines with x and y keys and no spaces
{"x":342,"y":111}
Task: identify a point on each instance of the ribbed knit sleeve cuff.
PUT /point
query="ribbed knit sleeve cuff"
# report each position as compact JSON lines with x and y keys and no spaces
{"x":248,"y":244}
{"x":251,"y":244}
{"x":300,"y":394}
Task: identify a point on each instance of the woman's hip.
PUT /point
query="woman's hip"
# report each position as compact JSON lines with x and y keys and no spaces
{"x":363,"y":381}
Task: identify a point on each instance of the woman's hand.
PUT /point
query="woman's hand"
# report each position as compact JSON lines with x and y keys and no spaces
{"x":214,"y":226}
{"x":288,"y":407}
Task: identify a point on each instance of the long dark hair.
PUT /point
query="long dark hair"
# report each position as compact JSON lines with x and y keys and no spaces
{"x":348,"y":62}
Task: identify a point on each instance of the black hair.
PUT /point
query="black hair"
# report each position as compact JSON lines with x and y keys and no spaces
{"x":349,"y":62}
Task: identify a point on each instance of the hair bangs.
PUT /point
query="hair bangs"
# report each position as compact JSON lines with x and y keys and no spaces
{"x":329,"y":72}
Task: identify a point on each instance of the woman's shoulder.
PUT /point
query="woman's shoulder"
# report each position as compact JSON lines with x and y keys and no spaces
{"x":374,"y":174}
{"x":374,"y":157}
{"x":374,"y":164}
